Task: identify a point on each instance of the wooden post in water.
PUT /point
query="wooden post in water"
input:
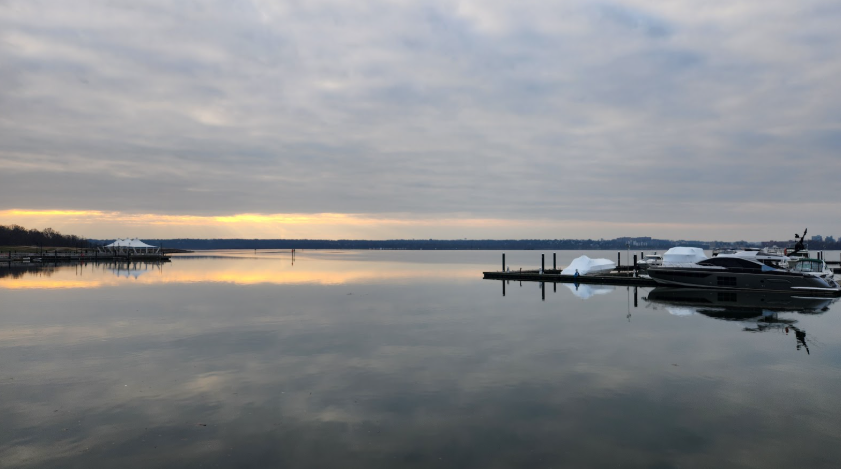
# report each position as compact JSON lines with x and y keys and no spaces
{"x":503,"y":262}
{"x":635,"y":265}
{"x":618,"y":259}
{"x":555,"y":261}
{"x":542,"y":263}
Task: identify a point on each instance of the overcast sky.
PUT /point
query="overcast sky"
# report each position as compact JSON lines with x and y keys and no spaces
{"x":421,"y":119}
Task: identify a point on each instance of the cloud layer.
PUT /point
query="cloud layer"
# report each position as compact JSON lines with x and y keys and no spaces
{"x":696,"y":113}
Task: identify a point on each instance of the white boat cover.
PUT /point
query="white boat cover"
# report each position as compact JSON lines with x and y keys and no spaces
{"x":681,"y":255}
{"x":585,"y":266}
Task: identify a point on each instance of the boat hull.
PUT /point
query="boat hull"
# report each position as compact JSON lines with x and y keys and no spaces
{"x":727,"y":280}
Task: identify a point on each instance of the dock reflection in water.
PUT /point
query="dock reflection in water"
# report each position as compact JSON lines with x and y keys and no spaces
{"x":755,"y":311}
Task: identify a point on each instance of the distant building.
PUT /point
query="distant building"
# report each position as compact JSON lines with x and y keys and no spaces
{"x":829,"y":239}
{"x":817,"y":238}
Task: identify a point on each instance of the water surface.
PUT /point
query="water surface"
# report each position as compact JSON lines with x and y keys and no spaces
{"x":404,"y":359}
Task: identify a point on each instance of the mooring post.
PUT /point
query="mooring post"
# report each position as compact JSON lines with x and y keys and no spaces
{"x":555,"y":261}
{"x":542,"y":263}
{"x":619,"y":259}
{"x":503,"y":262}
{"x":635,"y":265}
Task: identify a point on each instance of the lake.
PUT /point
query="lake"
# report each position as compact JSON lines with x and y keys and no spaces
{"x":386,"y":359}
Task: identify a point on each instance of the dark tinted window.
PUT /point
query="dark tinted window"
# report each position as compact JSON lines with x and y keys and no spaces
{"x":732,"y":263}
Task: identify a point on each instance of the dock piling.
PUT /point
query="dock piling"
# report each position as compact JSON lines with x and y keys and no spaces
{"x":503,"y":262}
{"x":542,"y":263}
{"x":554,"y":261}
{"x":635,"y":265}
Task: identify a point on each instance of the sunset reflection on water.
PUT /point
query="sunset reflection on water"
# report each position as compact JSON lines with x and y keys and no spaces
{"x":232,"y":267}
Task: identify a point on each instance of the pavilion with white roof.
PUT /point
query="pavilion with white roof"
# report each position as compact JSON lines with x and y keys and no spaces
{"x":134,"y":246}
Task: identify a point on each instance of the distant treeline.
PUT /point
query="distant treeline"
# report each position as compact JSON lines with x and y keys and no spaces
{"x":418,"y":244}
{"x":15,"y":235}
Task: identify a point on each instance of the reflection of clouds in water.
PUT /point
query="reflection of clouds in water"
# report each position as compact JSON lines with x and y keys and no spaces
{"x":391,"y":375}
{"x":585,"y":291}
{"x":239,"y":271}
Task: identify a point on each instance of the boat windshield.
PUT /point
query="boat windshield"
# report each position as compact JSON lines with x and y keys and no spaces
{"x":731,"y":263}
{"x":809,"y":265}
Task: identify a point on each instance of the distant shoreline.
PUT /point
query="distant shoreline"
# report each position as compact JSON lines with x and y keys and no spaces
{"x":633,"y":244}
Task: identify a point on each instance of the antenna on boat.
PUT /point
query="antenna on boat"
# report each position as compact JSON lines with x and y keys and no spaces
{"x":799,"y":246}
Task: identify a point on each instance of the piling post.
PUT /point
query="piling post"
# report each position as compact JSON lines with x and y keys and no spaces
{"x":618,"y":259}
{"x":635,"y":265}
{"x":555,"y":261}
{"x":503,"y":262}
{"x":542,"y":263}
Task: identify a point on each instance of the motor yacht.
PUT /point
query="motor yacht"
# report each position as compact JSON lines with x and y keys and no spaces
{"x":750,"y":270}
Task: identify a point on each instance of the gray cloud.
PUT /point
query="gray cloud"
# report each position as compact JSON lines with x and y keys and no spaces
{"x":490,"y":109}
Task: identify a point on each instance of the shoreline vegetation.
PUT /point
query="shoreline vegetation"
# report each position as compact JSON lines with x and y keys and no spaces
{"x":16,"y":237}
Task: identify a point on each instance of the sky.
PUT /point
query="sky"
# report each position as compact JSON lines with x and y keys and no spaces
{"x":491,"y":119}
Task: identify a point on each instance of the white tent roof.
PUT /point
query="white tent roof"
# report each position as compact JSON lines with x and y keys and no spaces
{"x":129,"y":243}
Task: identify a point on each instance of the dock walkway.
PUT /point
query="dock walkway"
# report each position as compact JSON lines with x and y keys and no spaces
{"x":89,"y":256}
{"x":555,"y":276}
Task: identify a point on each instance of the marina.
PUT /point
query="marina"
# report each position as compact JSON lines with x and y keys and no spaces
{"x":811,"y":277}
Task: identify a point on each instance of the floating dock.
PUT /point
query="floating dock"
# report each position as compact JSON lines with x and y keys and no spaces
{"x":69,"y":257}
{"x":555,"y":276}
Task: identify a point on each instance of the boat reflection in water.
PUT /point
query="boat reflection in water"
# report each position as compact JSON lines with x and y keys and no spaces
{"x":585,"y":291}
{"x":756,"y":311}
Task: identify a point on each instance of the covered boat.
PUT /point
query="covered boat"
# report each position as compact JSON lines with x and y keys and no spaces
{"x":683,"y":255}
{"x":586,"y":266}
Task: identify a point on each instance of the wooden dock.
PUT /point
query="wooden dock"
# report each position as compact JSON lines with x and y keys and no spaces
{"x":555,"y":276}
{"x":55,"y":257}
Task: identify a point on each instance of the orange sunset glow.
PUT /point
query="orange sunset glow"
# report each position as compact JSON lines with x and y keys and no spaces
{"x":103,"y":225}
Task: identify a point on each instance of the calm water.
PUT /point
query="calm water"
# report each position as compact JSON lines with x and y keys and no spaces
{"x":405,"y":359}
